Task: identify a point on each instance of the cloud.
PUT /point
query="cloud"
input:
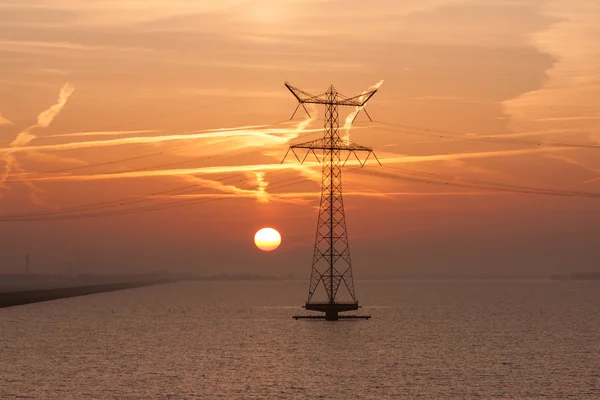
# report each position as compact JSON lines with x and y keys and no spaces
{"x":451,"y":99}
{"x":176,"y":172}
{"x":562,"y":119}
{"x":350,"y":117}
{"x":5,"y":121}
{"x":577,"y":163}
{"x":223,"y":92}
{"x":259,"y":137}
{"x":101,"y":133}
{"x":275,"y":65}
{"x":569,"y":96}
{"x":23,"y":138}
{"x":467,"y":156}
{"x":232,"y":191}
{"x":54,"y":160}
{"x":42,"y":47}
{"x":46,"y":117}
{"x":310,"y":168}
{"x":261,"y":192}
{"x":311,"y":196}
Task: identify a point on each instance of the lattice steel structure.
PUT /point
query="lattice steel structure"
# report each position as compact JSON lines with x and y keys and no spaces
{"x":331,"y":266}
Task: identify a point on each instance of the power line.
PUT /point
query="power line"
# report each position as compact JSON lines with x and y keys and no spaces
{"x":110,"y":203}
{"x":92,"y":165}
{"x":484,"y":138}
{"x":442,"y":180}
{"x":120,"y":160}
{"x":57,"y":215}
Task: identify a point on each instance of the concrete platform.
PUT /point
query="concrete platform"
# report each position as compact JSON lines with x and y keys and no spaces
{"x":325,"y":317}
{"x":331,"y":311}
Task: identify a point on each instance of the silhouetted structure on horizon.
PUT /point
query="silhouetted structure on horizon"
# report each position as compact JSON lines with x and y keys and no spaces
{"x":331,"y":266}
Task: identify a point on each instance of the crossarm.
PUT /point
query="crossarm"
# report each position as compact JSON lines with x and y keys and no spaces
{"x":358,"y":101}
{"x":305,"y":97}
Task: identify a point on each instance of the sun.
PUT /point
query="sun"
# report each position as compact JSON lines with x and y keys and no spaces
{"x":267,"y":239}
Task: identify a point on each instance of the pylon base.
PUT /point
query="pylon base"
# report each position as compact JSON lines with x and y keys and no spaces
{"x":325,"y":317}
{"x":331,"y":311}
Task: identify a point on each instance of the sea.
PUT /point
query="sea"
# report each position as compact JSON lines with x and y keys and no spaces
{"x":447,"y":339}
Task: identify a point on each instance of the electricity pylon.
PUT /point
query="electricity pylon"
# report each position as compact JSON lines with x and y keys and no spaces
{"x":331,"y":267}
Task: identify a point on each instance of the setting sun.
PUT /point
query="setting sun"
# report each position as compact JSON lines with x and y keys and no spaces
{"x":267,"y":239}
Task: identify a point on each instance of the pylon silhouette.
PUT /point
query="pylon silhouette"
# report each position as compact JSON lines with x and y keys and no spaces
{"x":331,"y":266}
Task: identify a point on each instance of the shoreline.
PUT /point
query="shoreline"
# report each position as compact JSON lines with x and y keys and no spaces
{"x":24,"y":297}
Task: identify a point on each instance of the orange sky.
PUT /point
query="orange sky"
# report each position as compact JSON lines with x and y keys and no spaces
{"x":167,"y":102}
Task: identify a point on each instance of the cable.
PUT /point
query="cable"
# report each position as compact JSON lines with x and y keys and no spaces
{"x":111,"y":203}
{"x":487,"y":138}
{"x":481,"y":185}
{"x":520,"y":188}
{"x":52,"y":215}
{"x":116,"y":161}
{"x":92,"y":165}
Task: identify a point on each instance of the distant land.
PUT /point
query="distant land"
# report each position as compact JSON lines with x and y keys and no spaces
{"x":237,"y":277}
{"x":23,"y":297}
{"x":21,"y":282}
{"x":579,"y":276}
{"x":22,"y":289}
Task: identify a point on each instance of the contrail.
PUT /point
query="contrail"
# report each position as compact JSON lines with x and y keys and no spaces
{"x":261,"y":192}
{"x":119,"y":133}
{"x":23,"y":138}
{"x":5,"y":121}
{"x":261,"y":135}
{"x":228,"y":190}
{"x":176,"y":172}
{"x":272,"y":135}
{"x":100,"y":133}
{"x":267,"y":135}
{"x":352,"y":115}
{"x":46,"y":117}
{"x":306,"y":168}
{"x":437,"y":179}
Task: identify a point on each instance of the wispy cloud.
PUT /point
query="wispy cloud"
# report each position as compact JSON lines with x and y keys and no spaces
{"x":451,"y":99}
{"x":53,"y":159}
{"x":569,"y":96}
{"x":5,"y":121}
{"x":24,"y":137}
{"x":295,"y":65}
{"x":350,"y":117}
{"x":223,"y":169}
{"x":577,"y":163}
{"x":46,"y":117}
{"x":262,"y":195}
{"x":308,"y":198}
{"x":101,"y":133}
{"x":43,"y":47}
{"x":467,"y":156}
{"x":259,"y":136}
{"x":310,"y":168}
{"x":564,"y":119}
{"x":225,"y":92}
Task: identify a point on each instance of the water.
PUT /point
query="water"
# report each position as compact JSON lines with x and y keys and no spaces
{"x":237,"y":340}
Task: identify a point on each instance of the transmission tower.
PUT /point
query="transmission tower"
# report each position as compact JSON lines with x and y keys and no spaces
{"x":331,"y":266}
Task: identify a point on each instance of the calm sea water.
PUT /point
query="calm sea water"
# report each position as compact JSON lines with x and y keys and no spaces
{"x":237,"y":340}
